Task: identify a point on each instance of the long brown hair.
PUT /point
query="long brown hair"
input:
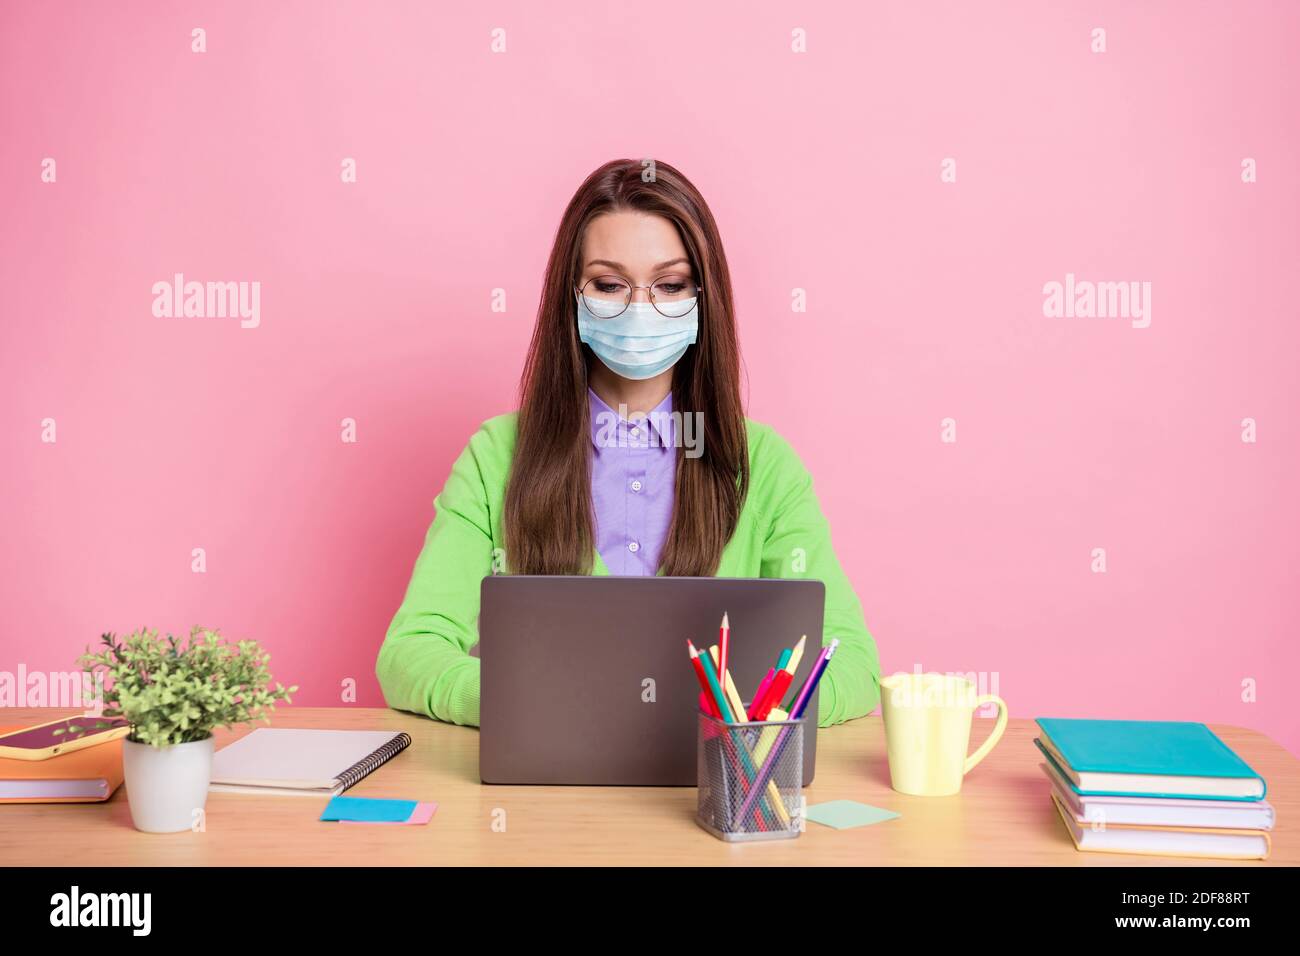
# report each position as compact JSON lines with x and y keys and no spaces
{"x":548,"y":509}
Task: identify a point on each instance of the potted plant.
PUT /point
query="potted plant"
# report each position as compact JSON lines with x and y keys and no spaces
{"x":173,"y":694}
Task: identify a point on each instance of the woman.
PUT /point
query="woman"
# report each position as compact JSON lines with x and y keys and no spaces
{"x":630,"y":452}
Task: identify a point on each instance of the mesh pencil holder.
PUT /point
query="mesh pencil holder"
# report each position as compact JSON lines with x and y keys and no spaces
{"x":734,"y":759}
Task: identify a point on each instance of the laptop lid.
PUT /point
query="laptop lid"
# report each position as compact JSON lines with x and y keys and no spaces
{"x":587,"y":680}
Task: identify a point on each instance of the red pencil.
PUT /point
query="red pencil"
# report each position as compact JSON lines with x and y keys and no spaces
{"x":724,"y":638}
{"x":706,"y":697}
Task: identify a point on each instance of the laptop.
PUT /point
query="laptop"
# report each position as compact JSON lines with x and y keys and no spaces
{"x":587,"y":680}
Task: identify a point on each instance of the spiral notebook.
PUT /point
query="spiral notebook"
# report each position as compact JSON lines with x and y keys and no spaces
{"x":310,"y":763}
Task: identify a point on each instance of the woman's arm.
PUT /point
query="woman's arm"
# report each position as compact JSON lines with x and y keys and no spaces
{"x":798,"y":545}
{"x":424,"y":664}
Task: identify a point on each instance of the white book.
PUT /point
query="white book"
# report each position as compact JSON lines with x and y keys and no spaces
{"x":1165,"y":841}
{"x":1162,"y":811}
{"x":45,"y":789}
{"x":291,"y":762}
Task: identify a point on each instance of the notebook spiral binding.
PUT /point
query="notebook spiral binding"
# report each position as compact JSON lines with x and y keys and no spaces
{"x":363,"y":768}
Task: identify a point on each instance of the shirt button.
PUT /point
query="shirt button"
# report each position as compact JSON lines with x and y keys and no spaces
{"x":633,"y":547}
{"x":636,"y":485}
{"x":635,"y":432}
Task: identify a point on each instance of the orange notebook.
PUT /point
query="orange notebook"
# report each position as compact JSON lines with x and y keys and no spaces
{"x":83,"y":776}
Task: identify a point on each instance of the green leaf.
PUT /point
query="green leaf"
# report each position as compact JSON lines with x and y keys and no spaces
{"x":172,"y":691}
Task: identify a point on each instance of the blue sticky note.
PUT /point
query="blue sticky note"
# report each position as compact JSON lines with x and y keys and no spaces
{"x":846,"y":814}
{"x":369,"y":810}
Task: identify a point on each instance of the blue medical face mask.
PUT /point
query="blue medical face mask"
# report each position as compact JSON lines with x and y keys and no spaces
{"x":640,"y":343}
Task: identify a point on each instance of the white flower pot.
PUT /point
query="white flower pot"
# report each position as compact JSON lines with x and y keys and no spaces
{"x":166,"y":785}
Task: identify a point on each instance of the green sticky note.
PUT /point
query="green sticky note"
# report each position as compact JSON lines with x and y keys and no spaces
{"x":846,"y":814}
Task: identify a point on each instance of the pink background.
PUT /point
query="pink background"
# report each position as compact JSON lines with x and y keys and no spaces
{"x":925,"y":302}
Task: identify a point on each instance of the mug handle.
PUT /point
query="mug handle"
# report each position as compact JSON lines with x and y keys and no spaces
{"x":994,"y":736}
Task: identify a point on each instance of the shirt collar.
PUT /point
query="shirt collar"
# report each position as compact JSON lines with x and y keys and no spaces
{"x":658,"y":420}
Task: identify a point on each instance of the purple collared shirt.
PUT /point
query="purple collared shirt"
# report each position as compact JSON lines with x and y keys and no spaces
{"x":633,"y":472}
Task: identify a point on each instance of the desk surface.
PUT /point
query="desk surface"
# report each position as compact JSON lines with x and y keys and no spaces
{"x":1003,"y":815}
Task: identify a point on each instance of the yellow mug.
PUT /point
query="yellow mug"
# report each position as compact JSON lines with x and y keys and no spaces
{"x":927,"y":730}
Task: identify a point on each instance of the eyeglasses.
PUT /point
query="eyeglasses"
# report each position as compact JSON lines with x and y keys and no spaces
{"x":608,"y":296}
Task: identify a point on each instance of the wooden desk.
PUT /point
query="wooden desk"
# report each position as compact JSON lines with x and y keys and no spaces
{"x":1003,"y":815}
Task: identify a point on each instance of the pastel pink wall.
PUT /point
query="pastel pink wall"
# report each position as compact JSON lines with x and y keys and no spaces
{"x":925,"y":302}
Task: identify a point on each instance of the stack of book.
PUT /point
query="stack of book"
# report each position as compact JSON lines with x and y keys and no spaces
{"x":1156,"y":787}
{"x":81,"y":776}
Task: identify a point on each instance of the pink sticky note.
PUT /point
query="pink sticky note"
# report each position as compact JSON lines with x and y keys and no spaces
{"x":421,"y":815}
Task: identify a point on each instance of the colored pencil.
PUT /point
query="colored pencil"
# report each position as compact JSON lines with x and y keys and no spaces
{"x":768,"y":737}
{"x":738,"y":709}
{"x":796,"y":655}
{"x":724,"y":641}
{"x":719,"y":698}
{"x":810,"y":685}
{"x":761,"y":694}
{"x":729,"y":687}
{"x":745,"y":768}
{"x":706,"y":702}
{"x":806,"y":691}
{"x":780,"y":684}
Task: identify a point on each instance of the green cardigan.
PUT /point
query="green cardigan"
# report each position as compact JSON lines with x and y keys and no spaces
{"x":424,"y":664}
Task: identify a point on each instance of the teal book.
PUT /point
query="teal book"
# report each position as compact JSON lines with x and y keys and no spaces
{"x":1147,"y":758}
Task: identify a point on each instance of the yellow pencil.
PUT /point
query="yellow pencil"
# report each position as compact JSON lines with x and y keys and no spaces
{"x":729,"y":688}
{"x":796,"y":655}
